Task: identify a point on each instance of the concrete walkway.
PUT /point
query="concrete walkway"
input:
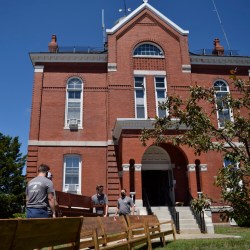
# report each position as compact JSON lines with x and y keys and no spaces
{"x":201,"y":236}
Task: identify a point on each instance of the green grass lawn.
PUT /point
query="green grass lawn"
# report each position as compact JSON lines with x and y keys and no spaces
{"x":242,"y":243}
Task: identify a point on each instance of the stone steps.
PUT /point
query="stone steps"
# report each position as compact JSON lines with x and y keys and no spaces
{"x":188,"y":224}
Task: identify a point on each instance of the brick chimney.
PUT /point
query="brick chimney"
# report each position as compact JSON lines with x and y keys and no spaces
{"x":53,"y":47}
{"x":218,"y":49}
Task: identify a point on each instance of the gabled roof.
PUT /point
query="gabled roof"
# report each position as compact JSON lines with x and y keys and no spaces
{"x":146,"y":5}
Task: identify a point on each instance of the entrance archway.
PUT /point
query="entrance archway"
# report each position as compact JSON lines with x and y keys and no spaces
{"x":157,"y":177}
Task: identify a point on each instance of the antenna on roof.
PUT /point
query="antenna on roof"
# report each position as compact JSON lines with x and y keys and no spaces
{"x":103,"y":29}
{"x":224,"y":32}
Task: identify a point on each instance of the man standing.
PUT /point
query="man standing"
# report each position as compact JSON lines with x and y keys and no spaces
{"x":125,"y":204}
{"x":100,"y":201}
{"x":40,"y":195}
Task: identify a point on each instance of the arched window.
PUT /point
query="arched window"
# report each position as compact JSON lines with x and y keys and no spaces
{"x":72,"y":174}
{"x":223,"y":110}
{"x":148,"y":50}
{"x":74,"y":98}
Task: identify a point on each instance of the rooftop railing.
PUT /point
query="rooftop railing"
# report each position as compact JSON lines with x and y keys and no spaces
{"x":204,"y":52}
{"x":80,"y":49}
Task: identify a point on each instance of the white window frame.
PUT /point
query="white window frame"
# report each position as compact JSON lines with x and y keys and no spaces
{"x":148,"y":56}
{"x":80,"y":121}
{"x":79,"y":185}
{"x":165,"y":94}
{"x":229,"y":110}
{"x":144,"y":99}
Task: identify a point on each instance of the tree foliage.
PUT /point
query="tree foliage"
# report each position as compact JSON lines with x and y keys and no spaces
{"x":12,"y":181}
{"x":195,"y":121}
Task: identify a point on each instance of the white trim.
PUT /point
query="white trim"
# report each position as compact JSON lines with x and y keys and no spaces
{"x":79,"y":191}
{"x":144,"y":99}
{"x":249,"y":72}
{"x":39,"y":69}
{"x":146,"y":5}
{"x":78,"y":101}
{"x":68,"y":143}
{"x":150,"y":72}
{"x":186,"y":68}
{"x":191,"y":167}
{"x":203,"y":167}
{"x":112,"y":67}
{"x":157,"y":100}
{"x":125,"y":167}
{"x":138,"y":167}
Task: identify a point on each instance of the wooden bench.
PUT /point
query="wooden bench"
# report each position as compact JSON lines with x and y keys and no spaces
{"x":154,"y":226}
{"x":118,"y":235}
{"x":29,"y":234}
{"x":72,"y":205}
{"x":103,"y":233}
{"x":7,"y":232}
{"x":92,"y":234}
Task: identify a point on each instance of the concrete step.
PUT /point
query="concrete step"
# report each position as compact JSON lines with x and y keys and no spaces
{"x":188,"y":224}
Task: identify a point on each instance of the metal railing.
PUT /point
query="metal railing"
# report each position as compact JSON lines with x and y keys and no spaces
{"x":199,"y":216}
{"x":80,"y":49}
{"x":210,"y":52}
{"x":175,"y":217}
{"x":146,"y":202}
{"x":174,"y":214}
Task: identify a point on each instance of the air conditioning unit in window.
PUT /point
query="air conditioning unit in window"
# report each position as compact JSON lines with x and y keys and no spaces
{"x":71,"y":188}
{"x":73,"y":124}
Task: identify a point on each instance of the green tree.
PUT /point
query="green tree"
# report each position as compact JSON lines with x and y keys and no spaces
{"x":195,"y":119}
{"x":12,"y":181}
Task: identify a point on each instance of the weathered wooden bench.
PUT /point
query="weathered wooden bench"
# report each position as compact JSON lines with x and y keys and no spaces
{"x":118,"y":235}
{"x":72,"y":205}
{"x":104,"y":233}
{"x":154,"y":226}
{"x":7,"y":233}
{"x":29,"y":234}
{"x":92,"y":234}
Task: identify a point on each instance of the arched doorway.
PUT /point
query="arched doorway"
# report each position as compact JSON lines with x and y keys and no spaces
{"x":157,"y":177}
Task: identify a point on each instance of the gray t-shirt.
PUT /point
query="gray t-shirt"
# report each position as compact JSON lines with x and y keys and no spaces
{"x":99,"y":200}
{"x":124,"y":205}
{"x":37,"y":192}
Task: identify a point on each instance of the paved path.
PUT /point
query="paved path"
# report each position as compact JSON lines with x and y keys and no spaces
{"x":201,"y":236}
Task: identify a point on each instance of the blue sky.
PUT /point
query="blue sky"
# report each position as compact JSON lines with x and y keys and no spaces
{"x":27,"y":26}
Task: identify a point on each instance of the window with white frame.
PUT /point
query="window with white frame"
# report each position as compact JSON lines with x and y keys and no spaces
{"x":74,"y":98}
{"x":223,"y":110}
{"x":148,"y":50}
{"x":140,"y":100}
{"x":160,"y":94}
{"x":72,"y":174}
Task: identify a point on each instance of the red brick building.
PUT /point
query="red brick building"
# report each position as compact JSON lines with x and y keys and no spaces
{"x":89,"y":107}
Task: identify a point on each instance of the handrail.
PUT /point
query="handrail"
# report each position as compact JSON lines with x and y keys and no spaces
{"x":175,"y":217}
{"x":174,"y":214}
{"x":199,"y":216}
{"x":146,"y":202}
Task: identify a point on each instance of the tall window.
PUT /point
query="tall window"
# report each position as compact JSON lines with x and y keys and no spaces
{"x":160,"y":94}
{"x":149,"y":50}
{"x":72,"y":174}
{"x":74,"y":102}
{"x":140,"y":102}
{"x":223,"y":110}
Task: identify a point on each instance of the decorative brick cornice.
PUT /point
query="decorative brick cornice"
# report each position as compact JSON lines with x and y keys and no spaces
{"x":220,"y":60}
{"x":67,"y":57}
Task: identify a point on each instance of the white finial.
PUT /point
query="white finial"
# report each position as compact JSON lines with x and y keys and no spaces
{"x":145,"y":1}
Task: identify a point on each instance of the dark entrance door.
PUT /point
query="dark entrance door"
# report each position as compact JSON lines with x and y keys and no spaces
{"x":155,"y":185}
